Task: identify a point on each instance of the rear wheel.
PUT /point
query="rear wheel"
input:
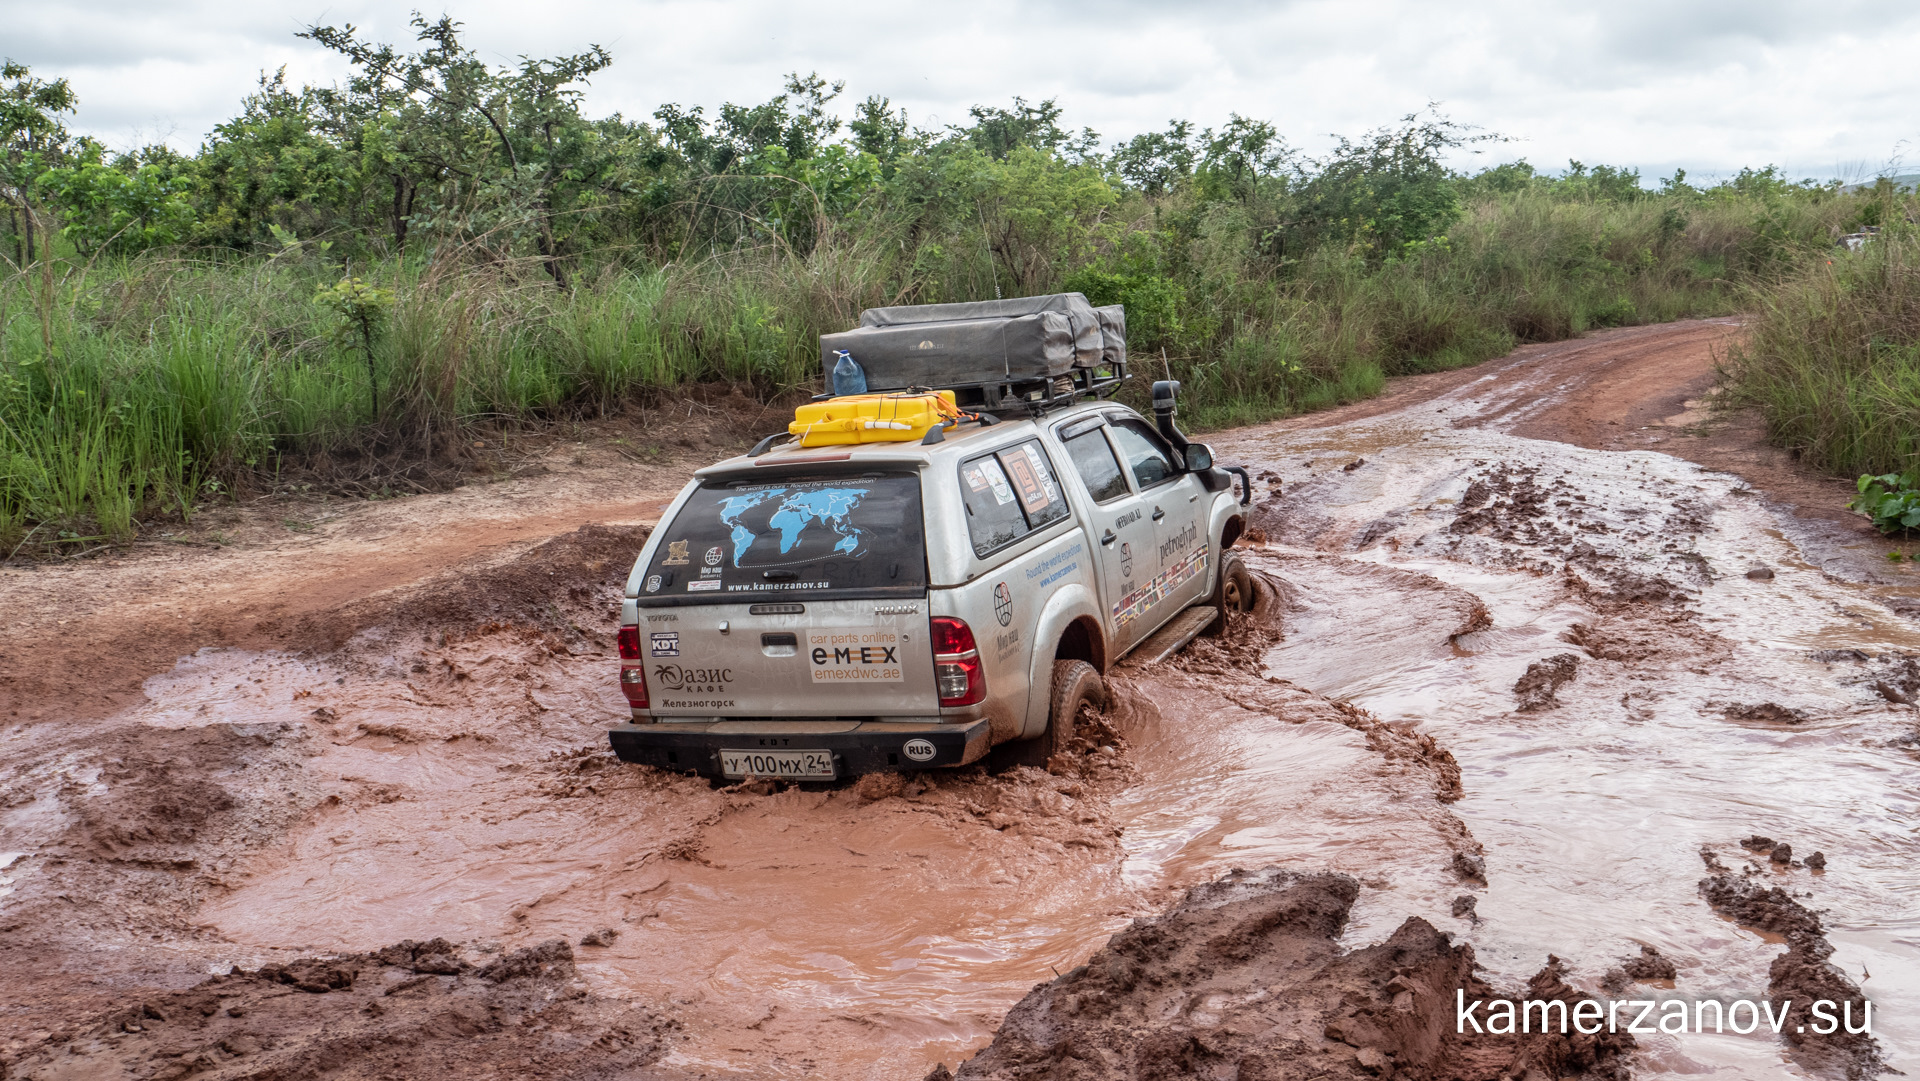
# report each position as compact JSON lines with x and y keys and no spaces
{"x":1075,"y":684}
{"x":1232,"y":593}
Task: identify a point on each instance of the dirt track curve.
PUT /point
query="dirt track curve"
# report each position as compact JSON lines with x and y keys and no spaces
{"x":1540,"y":643}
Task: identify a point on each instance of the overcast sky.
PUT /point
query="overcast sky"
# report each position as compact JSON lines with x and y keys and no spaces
{"x":1823,"y":89}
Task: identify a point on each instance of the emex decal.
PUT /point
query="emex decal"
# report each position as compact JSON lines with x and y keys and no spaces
{"x":1136,"y":603}
{"x":854,"y":656}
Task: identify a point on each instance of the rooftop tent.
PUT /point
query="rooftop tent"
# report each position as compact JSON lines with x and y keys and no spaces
{"x":1080,"y":315}
{"x":939,"y":345}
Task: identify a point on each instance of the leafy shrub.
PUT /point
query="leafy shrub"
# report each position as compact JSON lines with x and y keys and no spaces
{"x":1152,"y":303}
{"x":1892,"y":500}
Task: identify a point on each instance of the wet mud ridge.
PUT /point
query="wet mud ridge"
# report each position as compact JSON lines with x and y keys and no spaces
{"x":1802,"y":977}
{"x":1244,"y":979}
{"x":415,"y":1009}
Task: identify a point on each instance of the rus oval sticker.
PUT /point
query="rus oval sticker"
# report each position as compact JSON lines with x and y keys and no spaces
{"x":918,"y":749}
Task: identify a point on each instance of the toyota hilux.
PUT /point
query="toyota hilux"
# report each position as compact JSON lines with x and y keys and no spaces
{"x":814,"y":613}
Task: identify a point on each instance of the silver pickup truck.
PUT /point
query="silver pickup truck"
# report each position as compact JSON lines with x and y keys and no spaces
{"x":816,"y":613}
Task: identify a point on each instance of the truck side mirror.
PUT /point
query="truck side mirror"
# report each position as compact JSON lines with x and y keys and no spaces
{"x":1199,"y":457}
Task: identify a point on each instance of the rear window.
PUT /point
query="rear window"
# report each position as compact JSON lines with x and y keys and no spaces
{"x":1008,"y":494}
{"x":820,"y":539}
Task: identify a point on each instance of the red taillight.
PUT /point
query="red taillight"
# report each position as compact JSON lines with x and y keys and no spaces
{"x":952,"y":635}
{"x":633,"y":673}
{"x":958,"y":676}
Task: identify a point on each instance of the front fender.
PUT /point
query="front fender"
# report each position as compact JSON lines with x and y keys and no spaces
{"x":1067,"y":604}
{"x":1222,"y":518}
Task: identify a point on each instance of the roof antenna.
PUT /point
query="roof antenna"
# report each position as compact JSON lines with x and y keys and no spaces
{"x":986,"y":241}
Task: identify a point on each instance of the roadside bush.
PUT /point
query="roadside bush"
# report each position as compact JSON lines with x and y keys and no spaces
{"x":1891,"y":500}
{"x":1833,"y":359}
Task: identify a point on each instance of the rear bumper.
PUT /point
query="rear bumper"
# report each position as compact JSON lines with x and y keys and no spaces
{"x":858,"y":746}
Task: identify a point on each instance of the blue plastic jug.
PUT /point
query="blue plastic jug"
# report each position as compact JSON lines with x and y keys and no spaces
{"x":848,"y":376}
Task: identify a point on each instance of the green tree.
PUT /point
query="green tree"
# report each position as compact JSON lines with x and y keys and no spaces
{"x":1157,"y":162}
{"x":999,"y":132}
{"x":363,"y":310}
{"x":1236,"y":159}
{"x":878,"y":129}
{"x":509,"y":150}
{"x":120,"y":207}
{"x":1385,"y":191}
{"x":274,"y":165}
{"x":33,"y":139}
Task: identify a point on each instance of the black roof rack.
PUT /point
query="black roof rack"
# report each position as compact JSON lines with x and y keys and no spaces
{"x":1037,"y":397}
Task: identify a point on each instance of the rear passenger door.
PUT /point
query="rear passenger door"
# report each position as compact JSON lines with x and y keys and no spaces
{"x":1121,"y":531}
{"x":1171,"y":496}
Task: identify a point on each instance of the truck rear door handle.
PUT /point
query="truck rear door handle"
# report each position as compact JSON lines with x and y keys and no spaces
{"x":1158,"y":514}
{"x":1108,"y":539}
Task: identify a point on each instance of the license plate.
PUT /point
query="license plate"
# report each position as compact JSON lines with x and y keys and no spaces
{"x":807,"y":764}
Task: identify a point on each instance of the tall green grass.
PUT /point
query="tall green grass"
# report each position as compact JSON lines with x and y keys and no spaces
{"x":1833,"y":358}
{"x":136,"y":388}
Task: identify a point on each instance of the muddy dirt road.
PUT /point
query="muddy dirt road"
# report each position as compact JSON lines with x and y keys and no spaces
{"x":1519,"y":661}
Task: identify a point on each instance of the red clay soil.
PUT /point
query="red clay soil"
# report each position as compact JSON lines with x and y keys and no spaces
{"x":415,"y":1009}
{"x":80,"y":635}
{"x":1802,"y":976}
{"x":1634,"y":388}
{"x":152,"y":827}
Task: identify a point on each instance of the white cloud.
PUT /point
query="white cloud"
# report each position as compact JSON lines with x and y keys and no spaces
{"x":1709,"y":85}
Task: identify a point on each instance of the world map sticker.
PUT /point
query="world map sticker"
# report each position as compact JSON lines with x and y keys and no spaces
{"x":790,"y":518}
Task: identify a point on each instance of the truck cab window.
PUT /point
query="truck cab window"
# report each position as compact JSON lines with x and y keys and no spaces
{"x":1146,"y":454}
{"x":1093,"y":460}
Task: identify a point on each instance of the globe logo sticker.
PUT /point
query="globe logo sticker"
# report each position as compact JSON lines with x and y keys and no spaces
{"x":713,"y":556}
{"x":1002,"y":604}
{"x":1126,"y":560}
{"x":919,"y":750}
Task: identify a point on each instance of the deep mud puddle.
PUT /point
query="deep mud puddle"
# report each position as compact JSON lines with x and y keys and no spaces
{"x":424,"y":790}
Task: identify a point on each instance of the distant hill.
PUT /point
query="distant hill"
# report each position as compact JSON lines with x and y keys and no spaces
{"x":1907,"y":181}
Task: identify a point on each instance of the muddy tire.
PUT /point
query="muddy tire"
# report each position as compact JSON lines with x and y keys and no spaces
{"x":1232,"y":593}
{"x":1075,"y":683}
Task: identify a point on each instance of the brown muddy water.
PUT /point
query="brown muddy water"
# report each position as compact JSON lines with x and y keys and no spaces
{"x":415,"y":787}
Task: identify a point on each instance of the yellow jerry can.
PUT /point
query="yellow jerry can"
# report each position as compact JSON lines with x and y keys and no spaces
{"x":871,"y":418}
